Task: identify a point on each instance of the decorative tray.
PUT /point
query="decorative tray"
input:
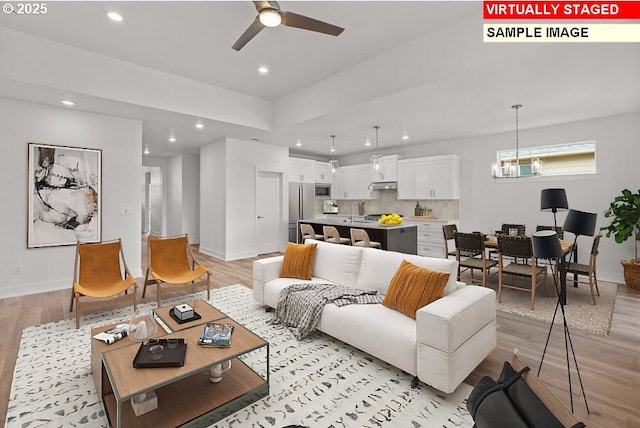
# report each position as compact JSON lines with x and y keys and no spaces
{"x":196,"y":316}
{"x":167,"y":357}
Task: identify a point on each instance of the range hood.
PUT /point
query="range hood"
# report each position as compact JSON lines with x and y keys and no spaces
{"x":383,"y":185}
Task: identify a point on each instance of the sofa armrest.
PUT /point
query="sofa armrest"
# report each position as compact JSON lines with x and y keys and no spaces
{"x":450,"y":321}
{"x":265,"y":270}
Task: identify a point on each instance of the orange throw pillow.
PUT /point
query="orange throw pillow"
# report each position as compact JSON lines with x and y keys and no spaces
{"x":413,"y":287}
{"x":298,"y":261}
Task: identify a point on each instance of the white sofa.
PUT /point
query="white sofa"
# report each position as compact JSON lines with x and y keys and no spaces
{"x":448,"y":339}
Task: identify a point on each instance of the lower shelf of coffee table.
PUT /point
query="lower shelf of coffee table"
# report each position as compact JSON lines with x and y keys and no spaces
{"x":194,"y":401}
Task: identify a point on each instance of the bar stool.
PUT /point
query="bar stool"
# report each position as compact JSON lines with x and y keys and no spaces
{"x":331,"y":235}
{"x":360,"y":238}
{"x":308,"y":233}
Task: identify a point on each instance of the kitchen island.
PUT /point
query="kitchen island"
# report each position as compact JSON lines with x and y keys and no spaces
{"x":402,"y":238}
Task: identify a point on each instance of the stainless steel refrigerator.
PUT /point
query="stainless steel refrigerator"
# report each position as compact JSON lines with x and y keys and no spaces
{"x":301,"y":205}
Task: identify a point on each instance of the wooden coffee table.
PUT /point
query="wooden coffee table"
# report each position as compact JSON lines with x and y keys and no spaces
{"x":186,"y":397}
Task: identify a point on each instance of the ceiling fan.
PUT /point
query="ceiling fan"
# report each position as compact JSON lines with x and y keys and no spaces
{"x":270,"y":15}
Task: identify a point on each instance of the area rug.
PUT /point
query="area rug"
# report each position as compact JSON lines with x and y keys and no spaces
{"x":580,"y":311}
{"x":316,"y":382}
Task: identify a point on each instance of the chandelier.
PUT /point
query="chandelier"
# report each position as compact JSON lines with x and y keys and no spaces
{"x":511,"y":167}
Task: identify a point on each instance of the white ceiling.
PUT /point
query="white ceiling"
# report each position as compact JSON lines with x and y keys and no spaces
{"x":414,"y":67}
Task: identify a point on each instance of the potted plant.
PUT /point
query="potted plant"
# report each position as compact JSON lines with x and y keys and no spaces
{"x":625,"y":223}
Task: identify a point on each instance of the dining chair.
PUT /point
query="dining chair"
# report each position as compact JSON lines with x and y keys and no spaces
{"x":170,"y":261}
{"x":101,"y":272}
{"x":558,"y":230}
{"x":332,"y":235}
{"x":360,"y":238}
{"x":308,"y":232}
{"x":471,"y":247}
{"x":519,"y":248}
{"x":588,"y":270}
{"x":449,"y":231}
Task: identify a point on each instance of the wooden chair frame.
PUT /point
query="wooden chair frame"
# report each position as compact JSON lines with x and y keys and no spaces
{"x":183,"y":277}
{"x":332,"y":236}
{"x":307,"y":232}
{"x":449,"y":234}
{"x":360,"y":238}
{"x":587,"y":270}
{"x":519,"y":248}
{"x":471,"y":245}
{"x":97,"y":290}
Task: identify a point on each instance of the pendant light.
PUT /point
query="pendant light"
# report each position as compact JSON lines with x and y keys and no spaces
{"x":511,"y":169}
{"x":376,"y":160}
{"x":333,"y":163}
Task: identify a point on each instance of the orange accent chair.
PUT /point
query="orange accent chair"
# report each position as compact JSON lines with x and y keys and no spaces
{"x":100,"y":271}
{"x":170,"y":261}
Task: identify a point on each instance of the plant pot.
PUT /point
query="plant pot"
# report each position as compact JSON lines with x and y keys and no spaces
{"x":632,"y":273}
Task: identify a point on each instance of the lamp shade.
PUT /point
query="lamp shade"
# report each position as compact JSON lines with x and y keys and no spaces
{"x":553,"y":200}
{"x":546,"y":245}
{"x":580,"y":222}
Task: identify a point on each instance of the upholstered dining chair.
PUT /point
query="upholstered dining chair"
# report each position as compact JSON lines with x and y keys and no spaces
{"x":519,"y":248}
{"x":170,"y":261}
{"x":449,"y":232}
{"x":360,"y":238}
{"x":588,"y":270}
{"x":470,"y":254}
{"x":332,"y":235}
{"x":100,"y":272}
{"x":307,"y":232}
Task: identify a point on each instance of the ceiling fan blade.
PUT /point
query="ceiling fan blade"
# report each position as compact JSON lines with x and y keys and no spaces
{"x":255,"y":27}
{"x":291,"y":19}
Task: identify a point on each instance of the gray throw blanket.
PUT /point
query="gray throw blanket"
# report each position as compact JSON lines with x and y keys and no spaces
{"x":300,"y":305}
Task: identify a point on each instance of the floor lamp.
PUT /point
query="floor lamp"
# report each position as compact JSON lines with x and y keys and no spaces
{"x":553,"y":200}
{"x":546,"y":245}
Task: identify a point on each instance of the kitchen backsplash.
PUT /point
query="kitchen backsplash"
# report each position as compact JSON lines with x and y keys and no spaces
{"x":388,"y":203}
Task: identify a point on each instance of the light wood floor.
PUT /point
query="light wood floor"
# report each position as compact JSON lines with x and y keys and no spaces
{"x":610,"y":366}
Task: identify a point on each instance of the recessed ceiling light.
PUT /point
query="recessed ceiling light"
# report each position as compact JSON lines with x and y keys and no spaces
{"x":298,"y":143}
{"x":146,"y":150}
{"x":115,"y":16}
{"x":199,"y":125}
{"x":263,"y":70}
{"x":367,"y":142}
{"x":405,"y":137}
{"x":172,"y":139}
{"x":68,"y":102}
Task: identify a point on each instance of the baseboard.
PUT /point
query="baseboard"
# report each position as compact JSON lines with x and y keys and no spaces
{"x":35,"y":288}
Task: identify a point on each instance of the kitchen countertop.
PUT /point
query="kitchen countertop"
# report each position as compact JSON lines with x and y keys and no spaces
{"x":363,"y":224}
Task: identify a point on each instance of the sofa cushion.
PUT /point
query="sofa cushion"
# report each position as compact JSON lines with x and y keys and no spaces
{"x":337,"y":263}
{"x":378,"y":267}
{"x":413,"y":287}
{"x":298,"y":261}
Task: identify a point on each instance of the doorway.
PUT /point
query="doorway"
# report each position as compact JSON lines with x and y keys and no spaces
{"x":269,"y":212}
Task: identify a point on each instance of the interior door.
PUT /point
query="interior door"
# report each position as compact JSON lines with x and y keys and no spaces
{"x":269,"y":218}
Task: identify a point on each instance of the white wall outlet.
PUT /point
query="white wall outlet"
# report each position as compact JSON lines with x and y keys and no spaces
{"x":125,"y":211}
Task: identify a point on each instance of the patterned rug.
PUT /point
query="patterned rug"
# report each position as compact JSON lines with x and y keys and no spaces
{"x":316,"y":382}
{"x":580,"y":311}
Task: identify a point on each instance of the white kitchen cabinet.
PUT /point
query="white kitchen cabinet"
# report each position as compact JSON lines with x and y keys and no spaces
{"x":352,"y":182}
{"x":436,"y":177}
{"x":323,"y":172}
{"x":430,"y":237}
{"x":301,"y":170}
{"x":389,"y":170}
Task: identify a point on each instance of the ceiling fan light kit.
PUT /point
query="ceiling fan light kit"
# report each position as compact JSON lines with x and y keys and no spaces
{"x":270,"y":15}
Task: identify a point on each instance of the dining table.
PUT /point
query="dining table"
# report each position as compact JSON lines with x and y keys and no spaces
{"x":568,"y":247}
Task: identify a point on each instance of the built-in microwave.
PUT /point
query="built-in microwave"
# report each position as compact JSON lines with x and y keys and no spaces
{"x":323,"y":190}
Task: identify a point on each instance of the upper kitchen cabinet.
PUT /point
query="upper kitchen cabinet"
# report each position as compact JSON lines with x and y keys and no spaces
{"x":389,"y":171}
{"x":352,"y":182}
{"x":302,"y":170}
{"x":323,"y":172}
{"x":436,"y":177}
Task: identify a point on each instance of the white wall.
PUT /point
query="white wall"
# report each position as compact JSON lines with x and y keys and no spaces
{"x":45,"y":269}
{"x":191,"y":197}
{"x":227,"y":194}
{"x":485,"y":203}
{"x":158,"y":193}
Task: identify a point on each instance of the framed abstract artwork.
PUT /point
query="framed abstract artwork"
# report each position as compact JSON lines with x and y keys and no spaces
{"x":64,"y":195}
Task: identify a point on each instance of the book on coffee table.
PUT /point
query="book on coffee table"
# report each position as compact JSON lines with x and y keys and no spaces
{"x":216,"y":335}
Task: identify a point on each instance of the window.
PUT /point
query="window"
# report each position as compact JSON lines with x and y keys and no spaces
{"x":560,"y":159}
